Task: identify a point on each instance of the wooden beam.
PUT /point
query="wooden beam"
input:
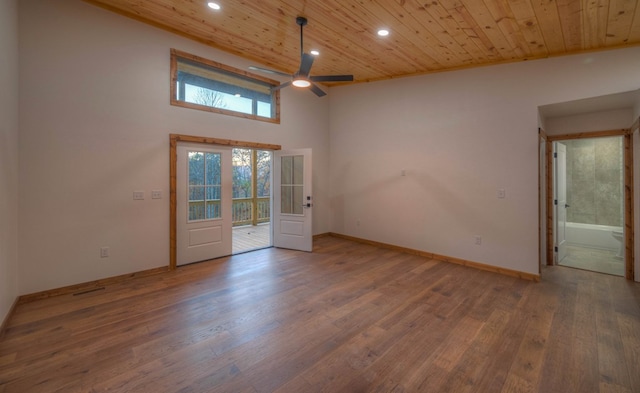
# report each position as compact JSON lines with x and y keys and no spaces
{"x":590,"y":134}
{"x":224,"y":142}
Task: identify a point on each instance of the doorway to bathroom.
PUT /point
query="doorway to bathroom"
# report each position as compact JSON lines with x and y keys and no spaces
{"x":589,"y":189}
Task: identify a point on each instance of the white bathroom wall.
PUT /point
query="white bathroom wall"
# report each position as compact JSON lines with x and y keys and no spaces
{"x":8,"y":155}
{"x":95,"y":124}
{"x":460,"y":137}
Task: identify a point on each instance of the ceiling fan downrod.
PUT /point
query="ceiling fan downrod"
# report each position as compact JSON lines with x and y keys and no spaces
{"x":301,"y":21}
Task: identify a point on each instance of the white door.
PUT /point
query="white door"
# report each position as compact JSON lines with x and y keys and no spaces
{"x":292,"y":200}
{"x":203,"y":197}
{"x":560,"y":200}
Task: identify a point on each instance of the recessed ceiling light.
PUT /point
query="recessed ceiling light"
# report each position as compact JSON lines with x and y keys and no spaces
{"x":315,"y":52}
{"x":383,"y":32}
{"x":214,"y":6}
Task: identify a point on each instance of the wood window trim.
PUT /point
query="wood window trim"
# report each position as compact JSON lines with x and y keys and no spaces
{"x":174,"y":139}
{"x":174,"y":79}
{"x":542,"y":139}
{"x":627,"y":134}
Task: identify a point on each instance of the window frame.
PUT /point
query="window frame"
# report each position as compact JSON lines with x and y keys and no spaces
{"x":176,"y":54}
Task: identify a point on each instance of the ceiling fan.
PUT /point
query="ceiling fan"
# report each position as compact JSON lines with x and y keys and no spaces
{"x":302,"y":78}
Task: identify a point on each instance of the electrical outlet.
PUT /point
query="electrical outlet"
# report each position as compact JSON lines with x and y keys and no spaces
{"x":502,"y":193}
{"x":156,"y":194}
{"x":478,"y":239}
{"x":138,"y":195}
{"x":104,"y":252}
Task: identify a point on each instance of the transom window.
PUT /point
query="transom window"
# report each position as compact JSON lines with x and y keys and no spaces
{"x":203,"y":84}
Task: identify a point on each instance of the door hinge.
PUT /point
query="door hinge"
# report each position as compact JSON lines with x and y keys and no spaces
{"x":555,"y":155}
{"x":555,"y":202}
{"x":555,"y":249}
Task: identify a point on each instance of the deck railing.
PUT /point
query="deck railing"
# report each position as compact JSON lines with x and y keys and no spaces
{"x":245,"y":213}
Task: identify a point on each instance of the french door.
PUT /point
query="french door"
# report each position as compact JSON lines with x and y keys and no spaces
{"x":204,"y":200}
{"x":293,"y":201}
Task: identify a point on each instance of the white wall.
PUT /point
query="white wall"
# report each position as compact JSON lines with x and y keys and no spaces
{"x":8,"y":155}
{"x":460,"y":136}
{"x":95,"y":124}
{"x":617,"y":119}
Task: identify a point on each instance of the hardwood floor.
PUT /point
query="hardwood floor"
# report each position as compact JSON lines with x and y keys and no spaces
{"x":346,"y":318}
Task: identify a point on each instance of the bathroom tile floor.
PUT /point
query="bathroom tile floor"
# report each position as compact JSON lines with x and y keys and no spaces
{"x":602,"y":261}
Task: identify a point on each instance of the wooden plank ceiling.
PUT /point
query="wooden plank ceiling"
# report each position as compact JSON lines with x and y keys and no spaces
{"x":426,"y":36}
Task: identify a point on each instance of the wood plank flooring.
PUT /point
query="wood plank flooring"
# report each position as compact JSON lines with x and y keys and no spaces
{"x":251,"y":237}
{"x":346,"y":318}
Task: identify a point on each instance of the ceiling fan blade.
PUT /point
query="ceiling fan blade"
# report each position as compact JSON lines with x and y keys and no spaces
{"x":332,"y":78}
{"x":269,"y":71}
{"x":283,"y":85}
{"x":305,"y":64}
{"x":317,"y":90}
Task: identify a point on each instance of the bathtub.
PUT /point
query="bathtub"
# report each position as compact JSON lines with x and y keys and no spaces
{"x":592,"y":236}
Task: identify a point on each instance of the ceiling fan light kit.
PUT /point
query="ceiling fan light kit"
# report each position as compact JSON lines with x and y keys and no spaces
{"x":302,"y":78}
{"x":301,"y":83}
